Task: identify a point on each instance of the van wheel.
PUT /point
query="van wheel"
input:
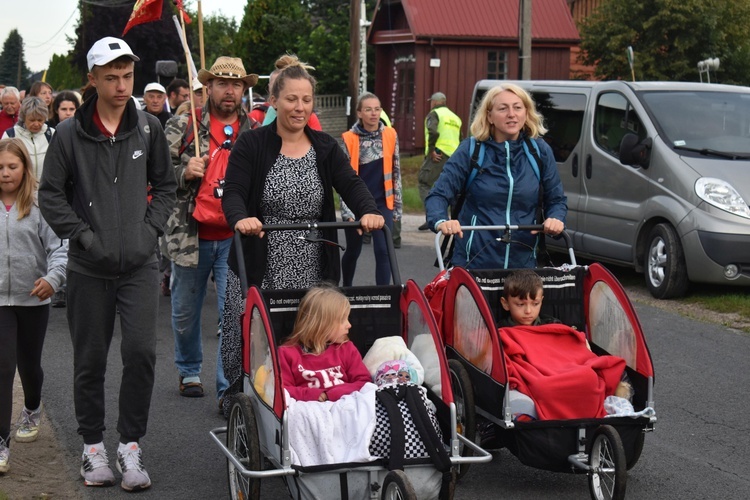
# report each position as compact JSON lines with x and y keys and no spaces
{"x":666,"y":272}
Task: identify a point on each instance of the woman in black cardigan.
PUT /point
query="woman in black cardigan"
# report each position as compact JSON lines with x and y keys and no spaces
{"x":285,"y":173}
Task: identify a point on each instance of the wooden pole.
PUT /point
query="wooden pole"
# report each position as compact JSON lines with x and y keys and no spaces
{"x":200,"y":41}
{"x":189,"y":60}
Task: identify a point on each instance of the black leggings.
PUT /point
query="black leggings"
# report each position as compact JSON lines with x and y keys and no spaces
{"x":22,"y":331}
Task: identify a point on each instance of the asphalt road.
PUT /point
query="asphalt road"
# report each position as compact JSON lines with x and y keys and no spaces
{"x":700,"y":448}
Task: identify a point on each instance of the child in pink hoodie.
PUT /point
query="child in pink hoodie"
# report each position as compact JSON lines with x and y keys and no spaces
{"x":318,"y":363}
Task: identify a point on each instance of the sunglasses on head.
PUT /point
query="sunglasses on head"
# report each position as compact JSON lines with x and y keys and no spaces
{"x":228,"y":132}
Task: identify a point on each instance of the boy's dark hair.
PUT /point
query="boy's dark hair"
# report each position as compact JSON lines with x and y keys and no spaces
{"x":523,"y":283}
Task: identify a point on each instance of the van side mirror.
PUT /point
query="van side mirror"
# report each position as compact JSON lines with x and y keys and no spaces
{"x":635,"y":152}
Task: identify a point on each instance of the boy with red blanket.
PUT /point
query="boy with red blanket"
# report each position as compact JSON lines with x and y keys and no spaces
{"x":551,"y":362}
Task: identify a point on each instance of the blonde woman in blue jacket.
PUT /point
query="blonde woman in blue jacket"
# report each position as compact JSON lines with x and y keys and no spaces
{"x":31,"y":270}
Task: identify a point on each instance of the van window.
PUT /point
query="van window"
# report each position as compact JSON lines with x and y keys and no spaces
{"x":614,"y":117}
{"x":724,"y":119}
{"x":563,"y":116}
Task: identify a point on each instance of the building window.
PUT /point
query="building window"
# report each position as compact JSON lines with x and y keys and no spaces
{"x":497,"y":65}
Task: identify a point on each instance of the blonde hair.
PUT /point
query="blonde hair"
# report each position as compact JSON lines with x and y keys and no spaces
{"x":290,"y":67}
{"x":481,"y":127}
{"x":320,"y":311}
{"x":26,"y":191}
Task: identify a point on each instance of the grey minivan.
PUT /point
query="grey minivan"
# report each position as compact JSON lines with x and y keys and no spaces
{"x":657,"y":175}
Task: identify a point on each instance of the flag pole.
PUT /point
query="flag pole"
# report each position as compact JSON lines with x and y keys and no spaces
{"x":189,"y":60}
{"x":200,"y":39}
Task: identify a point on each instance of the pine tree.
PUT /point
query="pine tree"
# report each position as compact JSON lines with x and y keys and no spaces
{"x":13,"y":69}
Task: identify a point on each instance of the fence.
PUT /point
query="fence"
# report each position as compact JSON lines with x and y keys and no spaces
{"x":331,"y":111}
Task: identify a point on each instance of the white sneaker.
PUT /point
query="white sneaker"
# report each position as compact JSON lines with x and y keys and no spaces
{"x":4,"y":457}
{"x":28,"y":425}
{"x":130,"y":464}
{"x":95,"y":466}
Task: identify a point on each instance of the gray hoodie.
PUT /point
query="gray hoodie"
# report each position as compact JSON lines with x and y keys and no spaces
{"x":29,"y":250}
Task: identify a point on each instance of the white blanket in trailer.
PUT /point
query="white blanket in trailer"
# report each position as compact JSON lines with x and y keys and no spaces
{"x":332,"y":432}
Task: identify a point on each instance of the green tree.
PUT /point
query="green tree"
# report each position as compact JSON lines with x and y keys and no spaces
{"x":269,"y":29}
{"x":668,"y":37}
{"x":61,"y":73}
{"x":151,"y":42}
{"x":327,"y":46}
{"x":13,"y":69}
{"x":219,"y":34}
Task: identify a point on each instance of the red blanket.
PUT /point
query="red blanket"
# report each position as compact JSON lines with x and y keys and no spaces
{"x":553,"y":365}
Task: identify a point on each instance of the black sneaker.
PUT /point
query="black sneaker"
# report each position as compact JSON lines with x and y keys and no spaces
{"x":424,"y":227}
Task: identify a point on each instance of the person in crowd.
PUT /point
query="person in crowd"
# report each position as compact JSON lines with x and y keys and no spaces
{"x":112,"y":230}
{"x":178,"y":91}
{"x":507,"y":188}
{"x":396,"y":232}
{"x":45,"y":91}
{"x":64,"y":106}
{"x":279,"y":174}
{"x":10,"y":99}
{"x":442,"y":134}
{"x":373,"y":153}
{"x":523,"y":293}
{"x":197,"y":92}
{"x":197,"y":239}
{"x":318,"y":363}
{"x":32,"y":268}
{"x":33,"y":131}
{"x":155,"y":97}
{"x":270,"y":113}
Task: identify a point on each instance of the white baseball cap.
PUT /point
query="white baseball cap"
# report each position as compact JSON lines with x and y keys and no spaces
{"x":108,"y":49}
{"x":158,"y":87}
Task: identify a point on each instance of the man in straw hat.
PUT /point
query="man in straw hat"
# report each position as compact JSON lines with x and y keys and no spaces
{"x":197,"y":238}
{"x":93,"y":192}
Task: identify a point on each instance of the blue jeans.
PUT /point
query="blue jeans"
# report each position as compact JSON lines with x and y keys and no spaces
{"x":188,"y":292}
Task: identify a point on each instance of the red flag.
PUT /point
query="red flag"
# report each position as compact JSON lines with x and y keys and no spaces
{"x":181,"y":8}
{"x":144,"y":11}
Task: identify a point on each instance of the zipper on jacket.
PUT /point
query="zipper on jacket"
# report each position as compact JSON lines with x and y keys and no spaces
{"x":7,"y":245}
{"x":113,"y":161}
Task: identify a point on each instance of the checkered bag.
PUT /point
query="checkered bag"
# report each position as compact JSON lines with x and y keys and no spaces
{"x":414,"y":447}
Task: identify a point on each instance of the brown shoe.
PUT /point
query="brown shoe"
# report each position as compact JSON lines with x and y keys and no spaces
{"x":191,"y":389}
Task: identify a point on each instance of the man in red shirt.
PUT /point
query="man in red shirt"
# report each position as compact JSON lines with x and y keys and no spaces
{"x":10,"y":98}
{"x":197,"y":237}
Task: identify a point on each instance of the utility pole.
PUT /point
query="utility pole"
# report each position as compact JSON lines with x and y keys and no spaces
{"x":363,"y":25}
{"x":354,"y":59}
{"x":524,"y":39}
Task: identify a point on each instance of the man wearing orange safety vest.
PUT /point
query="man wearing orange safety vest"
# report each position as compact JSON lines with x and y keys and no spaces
{"x":442,"y":135}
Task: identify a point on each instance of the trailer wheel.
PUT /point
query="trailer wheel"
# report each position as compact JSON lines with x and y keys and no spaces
{"x":242,"y":439}
{"x":463,"y":396}
{"x":397,"y":486}
{"x":666,"y":272}
{"x":608,"y":474}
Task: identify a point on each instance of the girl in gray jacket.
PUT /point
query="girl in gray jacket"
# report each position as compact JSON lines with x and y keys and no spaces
{"x":32,"y":268}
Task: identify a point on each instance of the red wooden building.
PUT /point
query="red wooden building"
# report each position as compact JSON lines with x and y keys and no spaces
{"x":426,"y":46}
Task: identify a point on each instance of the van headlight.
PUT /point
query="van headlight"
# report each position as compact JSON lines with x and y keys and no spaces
{"x":722,"y":195}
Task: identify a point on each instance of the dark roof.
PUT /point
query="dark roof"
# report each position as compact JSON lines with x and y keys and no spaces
{"x":487,"y":19}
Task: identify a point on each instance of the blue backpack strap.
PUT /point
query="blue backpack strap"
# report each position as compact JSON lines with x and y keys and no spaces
{"x":48,"y":134}
{"x":533,"y":155}
{"x":477,"y":158}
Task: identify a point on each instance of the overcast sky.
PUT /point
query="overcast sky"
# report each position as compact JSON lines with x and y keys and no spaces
{"x":44,"y":24}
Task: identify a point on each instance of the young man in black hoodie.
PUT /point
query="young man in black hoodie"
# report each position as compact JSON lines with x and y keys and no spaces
{"x":94,"y":193}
